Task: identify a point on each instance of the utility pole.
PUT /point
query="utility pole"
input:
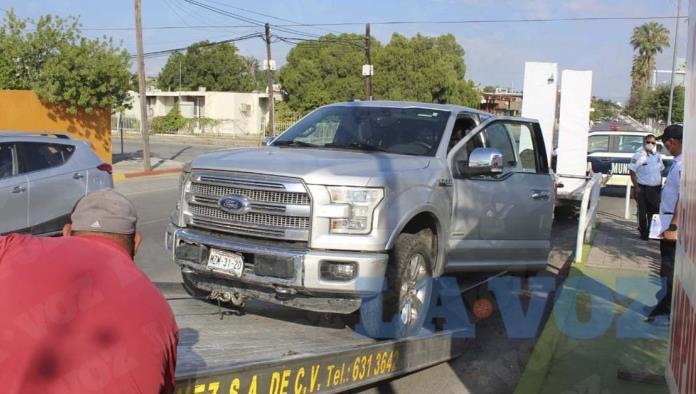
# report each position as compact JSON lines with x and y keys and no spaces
{"x":180,"y":78}
{"x":269,"y":69}
{"x":674,"y":64}
{"x":368,"y":59}
{"x":141,"y":87}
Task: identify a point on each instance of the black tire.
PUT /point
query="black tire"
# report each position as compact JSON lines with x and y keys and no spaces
{"x":388,"y":315}
{"x":190,"y":286}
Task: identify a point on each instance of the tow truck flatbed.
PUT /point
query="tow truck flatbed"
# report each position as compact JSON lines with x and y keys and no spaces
{"x":274,"y":349}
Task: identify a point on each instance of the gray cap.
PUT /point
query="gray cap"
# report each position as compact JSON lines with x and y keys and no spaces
{"x":104,"y":211}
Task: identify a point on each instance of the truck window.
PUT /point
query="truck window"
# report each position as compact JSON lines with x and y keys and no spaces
{"x":598,"y":143}
{"x":523,"y":143}
{"x":461,"y":128}
{"x":407,"y":131}
{"x":322,"y":132}
{"x":497,"y":136}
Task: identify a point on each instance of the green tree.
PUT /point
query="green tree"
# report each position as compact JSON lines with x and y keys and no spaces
{"x":324,"y":71}
{"x":216,"y":67}
{"x":604,"y":109}
{"x":654,"y":104}
{"x":428,"y":69}
{"x":489,"y":89}
{"x":60,"y":65}
{"x":647,"y":40}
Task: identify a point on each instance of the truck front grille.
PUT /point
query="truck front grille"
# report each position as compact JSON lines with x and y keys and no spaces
{"x":274,"y":197}
{"x":279,"y":208}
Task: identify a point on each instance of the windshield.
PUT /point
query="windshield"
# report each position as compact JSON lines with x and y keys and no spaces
{"x":408,"y":131}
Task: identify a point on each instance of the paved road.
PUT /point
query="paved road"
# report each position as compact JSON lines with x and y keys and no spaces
{"x":154,"y":199}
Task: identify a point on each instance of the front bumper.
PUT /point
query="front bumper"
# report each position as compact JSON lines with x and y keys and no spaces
{"x":305,"y":278}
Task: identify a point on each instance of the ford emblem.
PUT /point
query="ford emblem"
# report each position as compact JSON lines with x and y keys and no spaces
{"x":236,"y":205}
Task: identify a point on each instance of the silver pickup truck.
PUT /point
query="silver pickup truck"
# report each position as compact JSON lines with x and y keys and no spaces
{"x":365,"y":198}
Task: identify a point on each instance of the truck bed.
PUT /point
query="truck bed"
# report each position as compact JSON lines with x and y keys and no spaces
{"x":283,"y":350}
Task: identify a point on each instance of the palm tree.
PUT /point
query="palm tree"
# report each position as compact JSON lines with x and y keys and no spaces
{"x":648,"y":39}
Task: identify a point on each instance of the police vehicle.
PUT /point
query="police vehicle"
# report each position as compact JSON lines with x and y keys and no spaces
{"x":609,"y":152}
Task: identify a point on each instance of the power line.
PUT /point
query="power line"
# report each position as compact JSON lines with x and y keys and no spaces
{"x":167,"y":27}
{"x":414,"y":22}
{"x":268,"y":16}
{"x":247,"y":19}
{"x":170,"y":51}
{"x":320,"y":42}
{"x":473,"y":21}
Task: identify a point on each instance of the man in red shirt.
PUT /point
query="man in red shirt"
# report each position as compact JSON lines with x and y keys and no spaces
{"x":77,"y":315}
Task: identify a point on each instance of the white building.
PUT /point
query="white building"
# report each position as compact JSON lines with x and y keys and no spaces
{"x":232,"y":113}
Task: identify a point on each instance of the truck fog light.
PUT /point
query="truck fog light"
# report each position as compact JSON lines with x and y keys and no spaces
{"x":338,"y":270}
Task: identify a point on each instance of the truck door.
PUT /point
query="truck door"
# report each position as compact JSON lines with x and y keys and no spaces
{"x":502,"y":221}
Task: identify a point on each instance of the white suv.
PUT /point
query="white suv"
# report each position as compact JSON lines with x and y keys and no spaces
{"x":42,"y":177}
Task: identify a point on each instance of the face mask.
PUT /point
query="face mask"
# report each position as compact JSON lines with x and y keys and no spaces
{"x":650,"y":147}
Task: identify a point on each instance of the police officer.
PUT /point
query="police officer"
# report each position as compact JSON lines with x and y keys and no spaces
{"x":672,"y":138}
{"x":646,"y":175}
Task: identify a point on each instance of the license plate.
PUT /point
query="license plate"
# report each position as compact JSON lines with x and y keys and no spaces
{"x":227,"y":262}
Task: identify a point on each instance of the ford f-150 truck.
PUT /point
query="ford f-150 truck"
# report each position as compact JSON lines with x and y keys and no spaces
{"x":358,"y":192}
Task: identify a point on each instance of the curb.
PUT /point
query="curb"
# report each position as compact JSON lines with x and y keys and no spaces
{"x":123,"y":176}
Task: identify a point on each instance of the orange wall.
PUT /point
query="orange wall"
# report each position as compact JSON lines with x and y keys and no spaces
{"x":21,"y":110}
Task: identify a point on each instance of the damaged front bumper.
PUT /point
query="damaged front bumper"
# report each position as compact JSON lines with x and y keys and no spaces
{"x":287,"y":274}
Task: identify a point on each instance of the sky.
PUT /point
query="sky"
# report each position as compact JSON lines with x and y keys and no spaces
{"x":495,"y":53}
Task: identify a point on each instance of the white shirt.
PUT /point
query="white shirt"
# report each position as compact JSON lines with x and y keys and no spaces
{"x":670,"y":191}
{"x":648,"y":168}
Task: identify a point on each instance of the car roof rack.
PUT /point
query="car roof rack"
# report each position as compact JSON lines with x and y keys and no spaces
{"x":8,"y":133}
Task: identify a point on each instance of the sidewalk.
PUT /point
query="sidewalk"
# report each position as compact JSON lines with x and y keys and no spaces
{"x":596,"y":332}
{"x":133,"y":167}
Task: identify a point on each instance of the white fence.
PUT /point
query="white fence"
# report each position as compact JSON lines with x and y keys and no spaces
{"x":588,"y":213}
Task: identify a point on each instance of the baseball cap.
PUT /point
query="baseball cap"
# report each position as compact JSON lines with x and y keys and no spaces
{"x":672,"y":131}
{"x":104,"y":211}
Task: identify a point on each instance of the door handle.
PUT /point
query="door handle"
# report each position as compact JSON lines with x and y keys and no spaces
{"x":78,"y":175}
{"x":541,"y":195}
{"x":19,"y":189}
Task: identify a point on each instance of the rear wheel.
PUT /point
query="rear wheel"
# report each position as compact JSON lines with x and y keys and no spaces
{"x":402,"y":309}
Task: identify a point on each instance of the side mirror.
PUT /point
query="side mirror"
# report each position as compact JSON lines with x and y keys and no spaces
{"x":268,"y":141}
{"x":482,"y":161}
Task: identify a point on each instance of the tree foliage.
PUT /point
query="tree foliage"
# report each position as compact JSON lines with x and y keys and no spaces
{"x":654,"y":104}
{"x":428,"y":69}
{"x":216,"y":67}
{"x":60,"y":65}
{"x":647,"y":40}
{"x":324,"y":71}
{"x":604,"y":109}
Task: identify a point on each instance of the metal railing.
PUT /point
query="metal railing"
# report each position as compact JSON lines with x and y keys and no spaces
{"x":588,"y":213}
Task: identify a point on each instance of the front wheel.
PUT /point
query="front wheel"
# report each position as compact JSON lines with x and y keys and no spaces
{"x":402,"y":309}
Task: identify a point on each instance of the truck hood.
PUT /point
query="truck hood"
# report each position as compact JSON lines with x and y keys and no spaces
{"x":314,"y":166}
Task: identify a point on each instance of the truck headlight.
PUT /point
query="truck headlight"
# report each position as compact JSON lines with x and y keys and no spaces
{"x":362,"y":202}
{"x":184,"y":188}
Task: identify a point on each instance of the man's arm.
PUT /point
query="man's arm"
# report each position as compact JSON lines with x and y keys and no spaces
{"x":632,"y":167}
{"x":634,"y":180}
{"x":673,"y":235}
